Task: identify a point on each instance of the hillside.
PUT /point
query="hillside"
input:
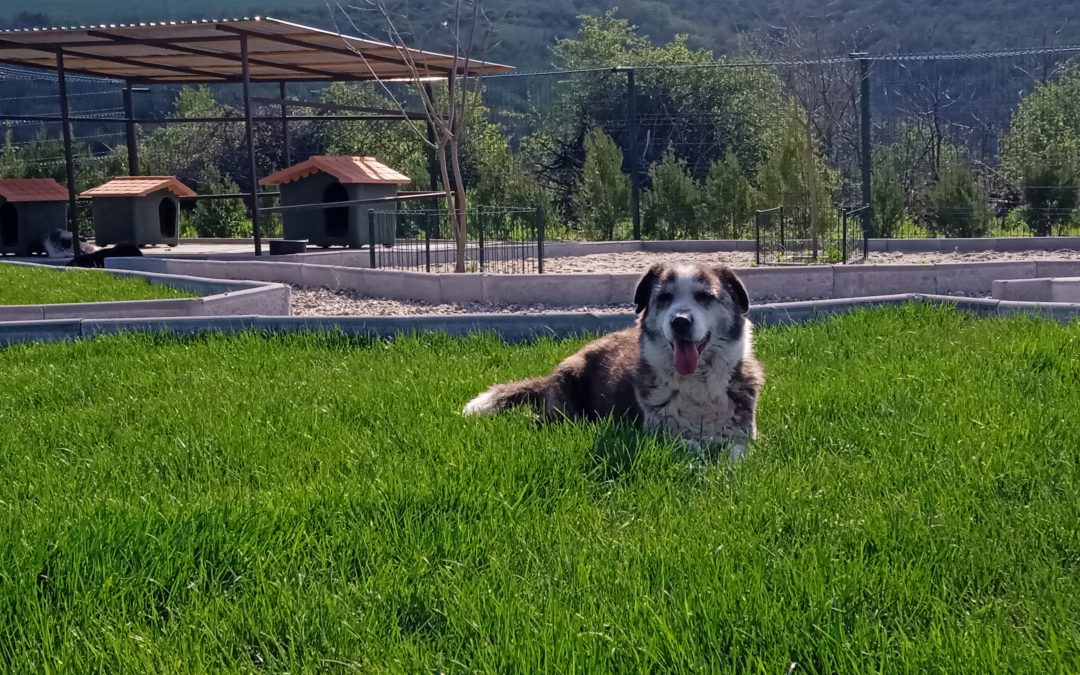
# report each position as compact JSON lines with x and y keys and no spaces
{"x":526,"y":30}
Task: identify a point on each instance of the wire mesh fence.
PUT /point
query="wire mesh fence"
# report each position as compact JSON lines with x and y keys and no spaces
{"x":960,"y":145}
{"x":829,"y":237}
{"x":498,"y":241}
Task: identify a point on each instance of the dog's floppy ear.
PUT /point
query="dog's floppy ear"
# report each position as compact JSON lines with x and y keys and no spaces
{"x":734,"y":286}
{"x":645,"y":288}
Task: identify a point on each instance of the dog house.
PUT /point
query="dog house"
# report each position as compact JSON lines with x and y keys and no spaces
{"x":328,"y":179}
{"x":30,"y":209}
{"x":138,"y":210}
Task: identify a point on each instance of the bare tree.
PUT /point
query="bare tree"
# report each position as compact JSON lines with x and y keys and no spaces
{"x":447,"y":116}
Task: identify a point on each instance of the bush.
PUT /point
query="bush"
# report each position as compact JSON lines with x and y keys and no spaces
{"x":887,"y":200}
{"x":669,"y":210}
{"x":958,"y":204}
{"x":1051,"y":193}
{"x":727,"y":204}
{"x":602,"y":193}
{"x":217,"y":218}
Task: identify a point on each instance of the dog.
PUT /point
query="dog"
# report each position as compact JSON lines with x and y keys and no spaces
{"x":58,"y":244}
{"x":686,"y":367}
{"x":97,"y":258}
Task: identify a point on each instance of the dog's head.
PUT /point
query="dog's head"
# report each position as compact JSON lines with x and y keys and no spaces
{"x":691,"y":312}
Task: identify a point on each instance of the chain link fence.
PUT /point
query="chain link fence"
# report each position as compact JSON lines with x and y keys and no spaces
{"x":932,"y":145}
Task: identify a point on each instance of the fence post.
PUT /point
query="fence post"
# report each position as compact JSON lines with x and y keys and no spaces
{"x":632,"y":148}
{"x":427,"y":240}
{"x":539,"y":240}
{"x":480,"y":229}
{"x":864,"y":139}
{"x":757,"y":237}
{"x":371,"y":237}
{"x":843,"y":231}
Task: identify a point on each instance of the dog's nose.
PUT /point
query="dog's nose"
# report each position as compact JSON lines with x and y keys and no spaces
{"x":681,"y":324}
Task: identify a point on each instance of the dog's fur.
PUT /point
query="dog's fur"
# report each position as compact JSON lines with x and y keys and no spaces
{"x":58,"y":245}
{"x":634,"y":373}
{"x":97,"y":258}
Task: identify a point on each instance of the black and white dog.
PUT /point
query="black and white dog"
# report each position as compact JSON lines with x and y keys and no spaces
{"x":59,"y":245}
{"x":686,"y":368}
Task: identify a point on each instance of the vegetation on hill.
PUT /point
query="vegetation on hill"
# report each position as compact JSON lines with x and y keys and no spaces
{"x":528,"y":29}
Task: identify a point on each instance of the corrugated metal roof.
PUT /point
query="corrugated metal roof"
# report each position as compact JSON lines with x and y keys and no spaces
{"x":366,"y":170}
{"x":32,"y":190}
{"x":209,"y":51}
{"x":139,"y":186}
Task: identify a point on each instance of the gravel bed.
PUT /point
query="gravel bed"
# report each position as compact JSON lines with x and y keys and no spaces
{"x":326,"y":302}
{"x":636,"y":261}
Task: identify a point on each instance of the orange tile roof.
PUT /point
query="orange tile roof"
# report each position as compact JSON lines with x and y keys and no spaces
{"x":346,"y":169}
{"x":139,"y":186}
{"x":32,"y":190}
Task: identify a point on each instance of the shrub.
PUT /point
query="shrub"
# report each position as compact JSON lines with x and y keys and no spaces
{"x":958,"y":204}
{"x":669,"y":210}
{"x":1051,"y":193}
{"x":602,"y":193}
{"x":215,"y":218}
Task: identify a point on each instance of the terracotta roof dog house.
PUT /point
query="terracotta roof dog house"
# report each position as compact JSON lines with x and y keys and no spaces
{"x":30,"y":209}
{"x":138,"y":210}
{"x":326,"y":179}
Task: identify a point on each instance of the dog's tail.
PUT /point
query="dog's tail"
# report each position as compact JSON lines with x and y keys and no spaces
{"x":504,"y":396}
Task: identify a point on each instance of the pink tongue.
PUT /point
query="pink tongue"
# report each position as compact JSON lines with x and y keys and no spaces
{"x":686,"y":357}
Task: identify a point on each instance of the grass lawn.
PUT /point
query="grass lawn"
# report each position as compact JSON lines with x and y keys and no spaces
{"x":307,"y":503}
{"x":21,"y":285}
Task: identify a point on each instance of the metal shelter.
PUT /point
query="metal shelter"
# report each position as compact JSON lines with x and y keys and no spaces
{"x":236,"y":51}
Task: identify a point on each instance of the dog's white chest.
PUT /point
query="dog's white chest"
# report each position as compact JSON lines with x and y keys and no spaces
{"x":694,"y":408}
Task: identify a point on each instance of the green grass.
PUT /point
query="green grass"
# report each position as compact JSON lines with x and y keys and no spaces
{"x":307,"y":503}
{"x":21,"y":285}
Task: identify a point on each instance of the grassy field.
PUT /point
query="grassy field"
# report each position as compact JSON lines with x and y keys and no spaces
{"x":307,"y":503}
{"x":20,"y":285}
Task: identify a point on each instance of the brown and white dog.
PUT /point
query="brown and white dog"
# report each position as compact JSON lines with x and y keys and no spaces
{"x":686,"y":367}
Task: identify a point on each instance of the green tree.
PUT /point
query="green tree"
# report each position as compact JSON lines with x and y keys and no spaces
{"x":795,"y":176}
{"x":958,"y":204}
{"x":670,"y":206}
{"x":1041,"y":151}
{"x":602,"y":194}
{"x":728,"y":199}
{"x":703,"y":112}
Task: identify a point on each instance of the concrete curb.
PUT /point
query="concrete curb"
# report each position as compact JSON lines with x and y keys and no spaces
{"x":805,"y":282}
{"x":219,"y":298}
{"x":510,"y":327}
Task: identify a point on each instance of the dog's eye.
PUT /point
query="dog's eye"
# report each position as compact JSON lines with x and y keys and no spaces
{"x":664,"y":298}
{"x":704,"y":297}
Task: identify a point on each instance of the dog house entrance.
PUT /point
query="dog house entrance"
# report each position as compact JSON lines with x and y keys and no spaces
{"x":9,"y":224}
{"x":167,"y":217}
{"x":337,"y":220}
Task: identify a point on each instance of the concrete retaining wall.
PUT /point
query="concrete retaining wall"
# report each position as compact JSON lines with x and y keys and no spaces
{"x":810,"y":282}
{"x":512,"y":328}
{"x":219,"y":298}
{"x":561,"y":249}
{"x":1065,"y":289}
